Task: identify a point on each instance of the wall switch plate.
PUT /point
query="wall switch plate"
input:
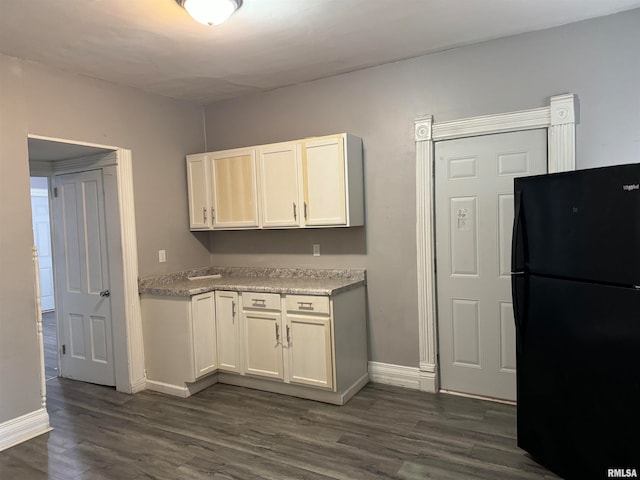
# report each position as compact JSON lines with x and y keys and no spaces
{"x":316,"y":249}
{"x":162,"y":256}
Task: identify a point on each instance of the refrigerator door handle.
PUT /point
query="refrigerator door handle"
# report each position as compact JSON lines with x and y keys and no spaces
{"x":519,"y":296}
{"x":517,"y":239}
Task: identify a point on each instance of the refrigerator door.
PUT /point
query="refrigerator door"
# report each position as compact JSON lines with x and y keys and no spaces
{"x":578,"y":381}
{"x":580,"y":225}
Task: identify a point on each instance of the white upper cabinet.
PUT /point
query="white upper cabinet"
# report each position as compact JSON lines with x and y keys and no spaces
{"x":315,"y":182}
{"x":324,"y":181}
{"x":199,"y":196}
{"x":234,"y":189}
{"x":280,"y":173}
{"x":333,"y":181}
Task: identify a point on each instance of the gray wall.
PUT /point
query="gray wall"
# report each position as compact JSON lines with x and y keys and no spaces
{"x":159,"y":131}
{"x":597,"y":59}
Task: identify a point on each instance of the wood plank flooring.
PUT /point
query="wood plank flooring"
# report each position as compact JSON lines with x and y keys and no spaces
{"x":50,"y":344}
{"x":227,"y":432}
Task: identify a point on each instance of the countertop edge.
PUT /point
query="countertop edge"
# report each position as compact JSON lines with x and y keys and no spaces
{"x":181,"y":292}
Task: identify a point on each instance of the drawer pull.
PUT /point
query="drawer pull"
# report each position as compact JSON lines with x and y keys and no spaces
{"x":259,"y":302}
{"x":305,"y":305}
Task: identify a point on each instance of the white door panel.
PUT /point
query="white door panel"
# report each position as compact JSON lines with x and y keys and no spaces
{"x":83,"y":278}
{"x":474,"y":215}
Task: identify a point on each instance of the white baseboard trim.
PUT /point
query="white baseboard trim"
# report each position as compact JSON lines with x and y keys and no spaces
{"x":428,"y":382}
{"x":138,"y":386}
{"x":26,"y":427}
{"x":398,"y":375}
{"x":169,"y":389}
{"x":184,"y":390}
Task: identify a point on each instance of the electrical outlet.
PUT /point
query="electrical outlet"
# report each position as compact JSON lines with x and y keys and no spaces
{"x":162,"y":256}
{"x":316,"y":249}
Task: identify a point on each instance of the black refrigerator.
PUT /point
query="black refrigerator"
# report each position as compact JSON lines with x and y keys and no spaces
{"x":576,"y":297}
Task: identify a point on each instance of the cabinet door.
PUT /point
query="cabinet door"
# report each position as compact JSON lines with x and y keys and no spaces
{"x":324,"y":182}
{"x":308,"y":339}
{"x":203,"y":334}
{"x":280,"y":174}
{"x":263,"y":344}
{"x":234,"y":189}
{"x":198,"y":188}
{"x":228,"y":329}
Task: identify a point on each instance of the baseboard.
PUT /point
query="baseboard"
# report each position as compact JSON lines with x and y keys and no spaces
{"x":355,"y":388}
{"x":301,"y":391}
{"x":26,"y":427}
{"x":138,"y":386}
{"x":184,"y":390}
{"x":397,"y":375}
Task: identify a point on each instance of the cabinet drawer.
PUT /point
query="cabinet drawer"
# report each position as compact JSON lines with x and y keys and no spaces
{"x":261,"y":301}
{"x":307,"y":303}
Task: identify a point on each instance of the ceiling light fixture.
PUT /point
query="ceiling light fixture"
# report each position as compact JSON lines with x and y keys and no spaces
{"x":210,"y":12}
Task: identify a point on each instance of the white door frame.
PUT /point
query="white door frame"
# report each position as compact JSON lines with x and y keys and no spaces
{"x":559,"y":120}
{"x":123,"y":264}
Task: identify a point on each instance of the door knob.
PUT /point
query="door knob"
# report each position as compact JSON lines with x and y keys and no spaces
{"x":105,"y":293}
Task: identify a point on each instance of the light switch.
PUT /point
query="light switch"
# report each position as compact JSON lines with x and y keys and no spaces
{"x":316,"y":249}
{"x":162,"y":256}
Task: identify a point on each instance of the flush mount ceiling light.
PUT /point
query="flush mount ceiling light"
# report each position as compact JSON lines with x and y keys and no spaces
{"x":210,"y":12}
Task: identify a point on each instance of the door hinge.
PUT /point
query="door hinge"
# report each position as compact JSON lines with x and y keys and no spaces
{"x":55,"y":192}
{"x":64,"y":349}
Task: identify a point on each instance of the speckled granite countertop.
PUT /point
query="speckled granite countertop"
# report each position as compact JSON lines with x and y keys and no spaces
{"x":264,"y":280}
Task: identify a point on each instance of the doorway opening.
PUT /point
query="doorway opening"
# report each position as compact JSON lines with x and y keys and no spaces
{"x":41,"y":223}
{"x":52,"y":162}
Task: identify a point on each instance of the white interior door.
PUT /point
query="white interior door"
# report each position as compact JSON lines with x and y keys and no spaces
{"x":42,"y":238}
{"x":474,"y":216}
{"x":82,"y":278}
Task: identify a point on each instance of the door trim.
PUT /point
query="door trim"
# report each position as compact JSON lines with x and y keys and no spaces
{"x":123,"y":264}
{"x":559,"y":118}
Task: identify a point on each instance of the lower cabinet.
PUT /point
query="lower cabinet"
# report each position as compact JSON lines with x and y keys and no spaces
{"x":179,"y":335}
{"x":228,"y":332}
{"x":308,"y":346}
{"x":203,"y":335}
{"x":262,"y":334}
{"x":309,"y":350}
{"x":288,"y":339}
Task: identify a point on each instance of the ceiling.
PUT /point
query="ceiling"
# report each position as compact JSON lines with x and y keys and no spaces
{"x":153,"y":45}
{"x":51,"y":151}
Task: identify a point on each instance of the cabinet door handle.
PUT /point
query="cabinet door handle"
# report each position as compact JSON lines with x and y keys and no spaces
{"x":277,"y":332}
{"x":305,"y":210}
{"x":288,"y":335}
{"x":305,"y":305}
{"x":233,"y":311}
{"x":213,"y":215}
{"x":295,"y":213}
{"x":204,"y":214}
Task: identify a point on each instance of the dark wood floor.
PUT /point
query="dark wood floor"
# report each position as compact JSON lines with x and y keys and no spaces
{"x":227,"y":432}
{"x":50,"y":345}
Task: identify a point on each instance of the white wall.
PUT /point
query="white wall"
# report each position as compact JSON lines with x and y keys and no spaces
{"x":596,"y":59}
